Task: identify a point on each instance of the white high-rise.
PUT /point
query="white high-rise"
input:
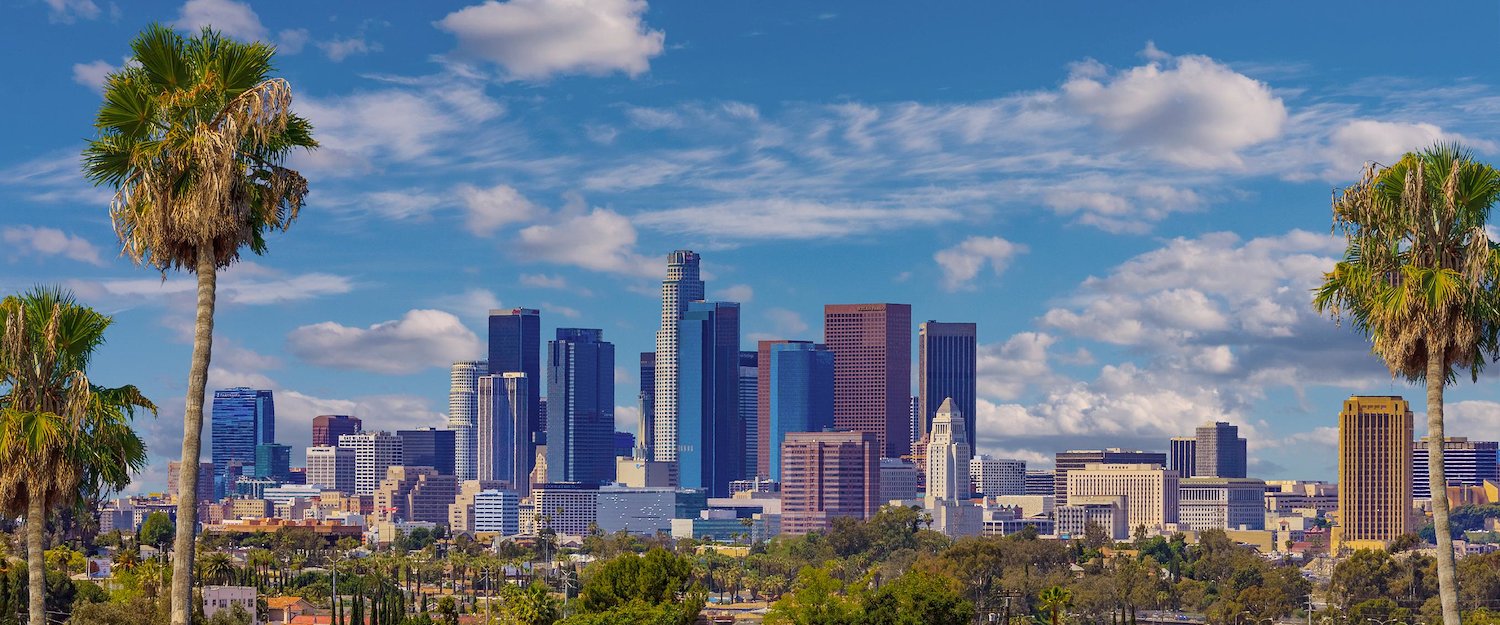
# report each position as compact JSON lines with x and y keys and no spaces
{"x":374,"y":452}
{"x":462,"y":414}
{"x":998,"y":476}
{"x":947,"y":456}
{"x":682,"y":285}
{"x":331,"y":467}
{"x":503,"y":431}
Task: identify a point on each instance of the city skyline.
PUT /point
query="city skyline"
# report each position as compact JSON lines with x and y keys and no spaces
{"x":1108,"y":314}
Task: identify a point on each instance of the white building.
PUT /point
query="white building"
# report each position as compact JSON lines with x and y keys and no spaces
{"x":1297,"y":497}
{"x":998,"y":476}
{"x":1226,"y":503}
{"x":497,"y":511}
{"x":285,"y":493}
{"x":374,"y":452}
{"x":1150,"y":491}
{"x":331,"y":467}
{"x":948,"y":482}
{"x":567,"y":509}
{"x":642,"y":511}
{"x":463,"y":415}
{"x":217,"y":598}
{"x":1030,"y":505}
{"x":898,"y":480}
{"x":504,"y":431}
{"x":1107,"y":512}
{"x":682,"y":285}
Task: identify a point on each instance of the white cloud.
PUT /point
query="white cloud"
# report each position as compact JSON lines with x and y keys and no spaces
{"x":601,"y":240}
{"x":418,"y":340}
{"x":92,"y":74}
{"x":244,"y":283}
{"x":472,"y":303}
{"x":1006,"y":370}
{"x":43,"y":241}
{"x":427,"y":123}
{"x":66,"y":11}
{"x":544,"y":281}
{"x":292,"y":40}
{"x":628,"y":419}
{"x":1189,"y":110}
{"x":559,"y":309}
{"x":234,"y":19}
{"x":648,"y":118}
{"x":790,"y":219}
{"x":491,"y":208}
{"x":963,"y":262}
{"x":338,"y":49}
{"x":1359,"y":141}
{"x":741,"y":293}
{"x":786,"y":323}
{"x":536,"y":39}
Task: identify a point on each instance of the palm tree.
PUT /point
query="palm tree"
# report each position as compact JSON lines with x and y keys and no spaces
{"x":60,"y":435}
{"x":1054,"y":601}
{"x":192,"y":135}
{"x":216,"y":568}
{"x":1419,"y":279}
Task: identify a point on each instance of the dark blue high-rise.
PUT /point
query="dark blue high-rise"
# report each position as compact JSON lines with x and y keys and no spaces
{"x":429,"y":447}
{"x":516,"y":345}
{"x":801,"y":393}
{"x":243,"y":418}
{"x":947,"y":360}
{"x":580,"y":407}
{"x":710,"y":433}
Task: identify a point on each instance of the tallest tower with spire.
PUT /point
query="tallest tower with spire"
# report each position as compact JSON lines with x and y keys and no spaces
{"x":682,"y":285}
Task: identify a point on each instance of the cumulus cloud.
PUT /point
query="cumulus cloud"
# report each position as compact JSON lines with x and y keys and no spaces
{"x":537,"y":39}
{"x":544,"y":281}
{"x":43,"y":242}
{"x":418,"y":340}
{"x":1359,"y":141}
{"x":92,"y":74}
{"x":234,"y":19}
{"x":600,"y":240}
{"x":68,"y":11}
{"x":1006,"y":370}
{"x":491,"y":208}
{"x":472,"y":303}
{"x":1190,"y":110}
{"x":340,"y":48}
{"x":963,"y":262}
{"x":401,"y":125}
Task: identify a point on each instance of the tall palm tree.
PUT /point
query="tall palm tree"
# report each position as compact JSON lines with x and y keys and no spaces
{"x":1054,"y":603}
{"x":60,"y":435}
{"x":1419,"y":279}
{"x":216,"y":568}
{"x":193,"y":135}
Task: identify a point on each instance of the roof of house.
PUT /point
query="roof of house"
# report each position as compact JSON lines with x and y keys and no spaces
{"x":276,"y":603}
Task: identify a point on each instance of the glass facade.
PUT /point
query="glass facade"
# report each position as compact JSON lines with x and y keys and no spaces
{"x":710,"y":435}
{"x":429,"y":447}
{"x":946,"y":363}
{"x":242,"y":419}
{"x":801,"y":394}
{"x":273,"y":461}
{"x":516,"y":345}
{"x":581,"y":407}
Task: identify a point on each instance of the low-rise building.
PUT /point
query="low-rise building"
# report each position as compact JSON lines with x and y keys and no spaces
{"x":217,"y":598}
{"x":1106,"y":512}
{"x":641,"y":511}
{"x":1226,"y":503}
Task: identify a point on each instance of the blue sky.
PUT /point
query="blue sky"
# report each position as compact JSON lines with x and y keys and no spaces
{"x":1131,"y":200}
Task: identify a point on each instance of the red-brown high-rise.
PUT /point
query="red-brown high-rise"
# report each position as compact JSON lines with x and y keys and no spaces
{"x":825,"y":475}
{"x":871,"y":345}
{"x":327,"y":428}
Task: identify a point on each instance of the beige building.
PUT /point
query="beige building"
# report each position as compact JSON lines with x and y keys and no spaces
{"x":637,"y":473}
{"x":1106,"y":512}
{"x":1300,"y":498}
{"x":415,"y":494}
{"x":1375,"y":444}
{"x":461,"y":511}
{"x":1226,"y":503}
{"x":1150,"y":491}
{"x":249,"y":509}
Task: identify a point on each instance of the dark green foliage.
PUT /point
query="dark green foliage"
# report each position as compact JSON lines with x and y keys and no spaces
{"x":917,"y":598}
{"x":157,"y":530}
{"x":656,"y":578}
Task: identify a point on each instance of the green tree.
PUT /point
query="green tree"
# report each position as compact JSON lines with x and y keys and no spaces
{"x":1419,"y":279}
{"x":1054,"y":602}
{"x":659,"y":577}
{"x":61,"y":436}
{"x":531,"y":605}
{"x":193,"y":135}
{"x":918,"y":598}
{"x":157,"y":530}
{"x":817,"y":598}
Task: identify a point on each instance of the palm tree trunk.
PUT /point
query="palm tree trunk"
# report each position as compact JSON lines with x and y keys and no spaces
{"x":36,"y":558}
{"x":192,"y":430}
{"x":1438,"y":479}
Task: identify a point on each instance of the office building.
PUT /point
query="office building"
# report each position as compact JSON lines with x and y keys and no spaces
{"x":374,"y":452}
{"x":871,"y":345}
{"x":242,"y":419}
{"x":568,"y":509}
{"x":463,"y":415}
{"x":1150,"y":490}
{"x":1040,"y":482}
{"x":898,"y":480}
{"x":749,"y":413}
{"x":504,"y":442}
{"x":1375,"y":502}
{"x":645,"y":473}
{"x":1105,"y":512}
{"x":1224,"y":503}
{"x":580,"y":407}
{"x":646,"y":428}
{"x":800,"y":394}
{"x":826,"y":475}
{"x":461,"y":513}
{"x":682,"y":285}
{"x":639,"y":511}
{"x":1301,"y":498}
{"x":913,"y":414}
{"x":205,"y":487}
{"x":498,"y":511}
{"x":332,"y":468}
{"x":763,"y":444}
{"x":273,"y":461}
{"x":1219,"y":452}
{"x":429,"y":447}
{"x":709,"y":434}
{"x":418,"y":494}
{"x":998,"y":476}
{"x":948,"y":455}
{"x":327,"y":428}
{"x":624,"y":443}
{"x":516,"y":345}
{"x":1465,"y":463}
{"x":1077,"y":458}
{"x":1182,"y":455}
{"x":947,"y":359}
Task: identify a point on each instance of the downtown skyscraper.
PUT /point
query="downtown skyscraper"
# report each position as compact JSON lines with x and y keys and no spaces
{"x":327,"y":428}
{"x":243,"y":419}
{"x":503,"y":432}
{"x":580,"y":407}
{"x":710,"y":435}
{"x":646,"y":428}
{"x":515,"y":344}
{"x":799,"y":394}
{"x":1219,"y":451}
{"x":1374,"y":472}
{"x":947,"y":359}
{"x":871,"y":345}
{"x":463,"y":415}
{"x":682,"y":285}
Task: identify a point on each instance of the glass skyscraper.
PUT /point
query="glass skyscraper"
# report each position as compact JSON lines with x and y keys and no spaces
{"x":243,"y":418}
{"x":682,"y":285}
{"x":504,"y":451}
{"x":801,"y":394}
{"x":429,"y":447}
{"x":709,"y":434}
{"x":273,"y":461}
{"x":516,"y":345}
{"x":946,"y":363}
{"x":580,"y":407}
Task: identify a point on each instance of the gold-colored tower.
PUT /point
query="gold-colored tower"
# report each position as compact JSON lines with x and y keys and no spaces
{"x":1375,"y":434}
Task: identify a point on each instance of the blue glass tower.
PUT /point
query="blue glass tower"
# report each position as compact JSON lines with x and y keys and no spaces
{"x":243,"y":418}
{"x":801,"y":393}
{"x":429,"y":447}
{"x":947,"y":361}
{"x":273,"y":461}
{"x":710,"y":434}
{"x":580,"y":407}
{"x":516,"y":345}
